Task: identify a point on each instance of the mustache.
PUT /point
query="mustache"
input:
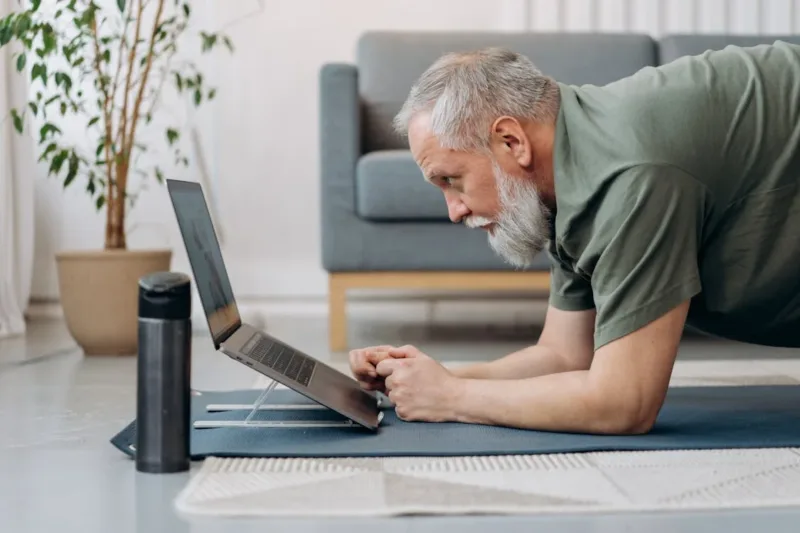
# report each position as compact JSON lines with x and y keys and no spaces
{"x":477,"y":222}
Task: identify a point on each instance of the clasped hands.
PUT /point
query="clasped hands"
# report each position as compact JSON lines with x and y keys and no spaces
{"x":420,"y":388}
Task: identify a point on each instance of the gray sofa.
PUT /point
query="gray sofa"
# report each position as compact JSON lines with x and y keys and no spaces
{"x":382,"y":225}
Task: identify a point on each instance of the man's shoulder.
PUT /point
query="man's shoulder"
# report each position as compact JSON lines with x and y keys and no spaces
{"x":602,"y":132}
{"x":646,"y":194}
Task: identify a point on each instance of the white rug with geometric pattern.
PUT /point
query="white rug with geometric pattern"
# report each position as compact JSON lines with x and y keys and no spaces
{"x":555,"y":483}
{"x":519,"y":484}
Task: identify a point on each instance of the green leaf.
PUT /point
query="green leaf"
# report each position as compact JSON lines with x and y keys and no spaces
{"x":5,"y":35}
{"x":228,"y":43}
{"x":23,"y":24}
{"x":58,"y":162}
{"x":17,"y":120}
{"x":172,"y":136}
{"x":21,"y":62}
{"x":63,"y":108}
{"x":186,"y":9}
{"x":159,"y":175}
{"x":93,"y":122}
{"x":198,"y":96}
{"x":34,"y":107}
{"x":50,"y":148}
{"x":209,"y":40}
{"x":49,"y":40}
{"x":47,"y":128}
{"x":72,"y":169}
{"x":179,"y":81}
{"x":36,"y":4}
{"x":212,"y":93}
{"x":63,"y":79}
{"x":100,"y":202}
{"x":39,"y":70}
{"x":121,"y":5}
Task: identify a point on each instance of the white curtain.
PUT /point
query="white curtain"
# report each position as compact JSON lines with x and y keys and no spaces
{"x":17,"y":174}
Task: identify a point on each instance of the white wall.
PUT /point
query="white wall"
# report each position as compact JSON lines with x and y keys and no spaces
{"x":260,"y":137}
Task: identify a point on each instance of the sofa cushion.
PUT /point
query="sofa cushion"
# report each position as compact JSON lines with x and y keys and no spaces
{"x":390,"y":62}
{"x":672,"y":47}
{"x":390,"y":186}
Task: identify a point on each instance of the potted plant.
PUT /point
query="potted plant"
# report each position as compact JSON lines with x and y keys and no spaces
{"x":102,"y":66}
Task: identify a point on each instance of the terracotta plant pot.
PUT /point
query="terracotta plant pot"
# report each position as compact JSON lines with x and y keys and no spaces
{"x":99,"y":296}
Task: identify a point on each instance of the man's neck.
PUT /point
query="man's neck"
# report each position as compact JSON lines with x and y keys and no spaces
{"x":541,"y":138}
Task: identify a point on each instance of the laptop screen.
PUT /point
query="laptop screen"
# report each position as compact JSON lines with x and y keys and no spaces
{"x":205,"y":257}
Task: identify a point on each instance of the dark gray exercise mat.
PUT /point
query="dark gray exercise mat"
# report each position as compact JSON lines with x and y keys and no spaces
{"x":692,"y":417}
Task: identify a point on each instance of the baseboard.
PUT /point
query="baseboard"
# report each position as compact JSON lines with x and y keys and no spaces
{"x":464,"y":310}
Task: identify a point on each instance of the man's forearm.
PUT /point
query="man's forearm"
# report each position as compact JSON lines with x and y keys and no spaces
{"x":530,"y":362}
{"x":566,"y":401}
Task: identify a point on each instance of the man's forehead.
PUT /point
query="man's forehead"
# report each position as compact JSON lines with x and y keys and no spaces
{"x":420,"y":135}
{"x":426,"y":149}
{"x":423,"y":144}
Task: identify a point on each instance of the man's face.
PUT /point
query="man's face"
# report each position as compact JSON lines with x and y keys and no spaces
{"x":493,"y":194}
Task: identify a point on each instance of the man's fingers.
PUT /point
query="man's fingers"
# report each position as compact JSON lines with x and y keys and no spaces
{"x":377,"y":356}
{"x":372,"y":385}
{"x":361,"y":362}
{"x":387,"y":366}
{"x":402,"y":352}
{"x":389,"y":383}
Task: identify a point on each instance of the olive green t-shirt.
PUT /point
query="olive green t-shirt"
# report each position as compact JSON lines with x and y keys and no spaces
{"x":683,"y":182}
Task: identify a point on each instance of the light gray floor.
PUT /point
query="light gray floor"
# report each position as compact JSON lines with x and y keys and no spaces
{"x":58,"y":410}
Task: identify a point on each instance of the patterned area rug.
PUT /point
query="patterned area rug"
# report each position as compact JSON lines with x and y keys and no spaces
{"x":558,"y":483}
{"x":555,"y":483}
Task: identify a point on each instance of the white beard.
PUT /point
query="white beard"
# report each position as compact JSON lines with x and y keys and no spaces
{"x":522,"y":227}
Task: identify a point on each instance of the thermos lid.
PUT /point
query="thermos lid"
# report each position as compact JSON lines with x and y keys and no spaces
{"x":165,"y":295}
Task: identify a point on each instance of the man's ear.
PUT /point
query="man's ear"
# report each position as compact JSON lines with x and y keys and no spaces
{"x":510,"y":141}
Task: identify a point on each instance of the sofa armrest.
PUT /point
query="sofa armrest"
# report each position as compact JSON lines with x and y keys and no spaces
{"x":340,"y":149}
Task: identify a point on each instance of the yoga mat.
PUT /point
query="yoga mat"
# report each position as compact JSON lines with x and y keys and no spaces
{"x":692,"y":418}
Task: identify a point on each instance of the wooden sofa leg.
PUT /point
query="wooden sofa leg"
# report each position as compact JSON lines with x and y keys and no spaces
{"x":337,"y":314}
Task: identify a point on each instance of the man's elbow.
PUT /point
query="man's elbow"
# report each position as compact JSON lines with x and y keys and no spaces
{"x":631,"y":417}
{"x":634,"y":423}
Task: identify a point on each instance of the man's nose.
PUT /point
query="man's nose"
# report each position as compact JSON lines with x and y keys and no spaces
{"x":456,"y":210}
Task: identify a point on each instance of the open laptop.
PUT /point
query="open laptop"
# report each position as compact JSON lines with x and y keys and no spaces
{"x":246,"y":344}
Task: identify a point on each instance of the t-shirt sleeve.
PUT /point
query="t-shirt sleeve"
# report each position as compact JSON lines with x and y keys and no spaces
{"x":643,"y":253}
{"x":569,"y":291}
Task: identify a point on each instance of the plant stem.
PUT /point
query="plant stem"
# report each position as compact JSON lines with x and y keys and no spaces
{"x":131,"y":137}
{"x":150,"y":52}
{"x":111,"y":240}
{"x":123,"y":125}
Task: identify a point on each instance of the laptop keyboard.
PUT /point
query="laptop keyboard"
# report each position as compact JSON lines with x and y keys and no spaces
{"x":282,"y":359}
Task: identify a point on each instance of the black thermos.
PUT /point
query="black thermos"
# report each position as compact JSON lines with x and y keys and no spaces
{"x":163,"y":390}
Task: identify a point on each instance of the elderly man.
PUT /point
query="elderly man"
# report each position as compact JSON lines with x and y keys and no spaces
{"x":666,"y":198}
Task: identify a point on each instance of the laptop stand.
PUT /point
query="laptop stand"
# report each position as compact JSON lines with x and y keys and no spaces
{"x":259,"y":405}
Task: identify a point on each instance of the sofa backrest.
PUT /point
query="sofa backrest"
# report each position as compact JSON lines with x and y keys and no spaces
{"x":672,"y":47}
{"x":390,"y":62}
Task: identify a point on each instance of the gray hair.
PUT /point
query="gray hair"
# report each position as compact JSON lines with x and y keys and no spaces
{"x":466,"y":92}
